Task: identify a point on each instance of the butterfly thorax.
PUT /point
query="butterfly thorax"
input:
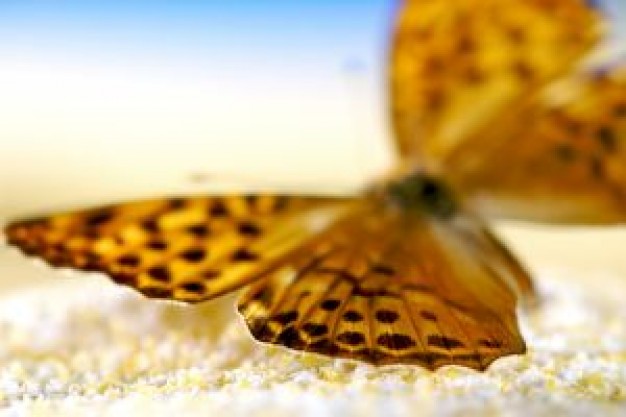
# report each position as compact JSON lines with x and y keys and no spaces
{"x":420,"y":191}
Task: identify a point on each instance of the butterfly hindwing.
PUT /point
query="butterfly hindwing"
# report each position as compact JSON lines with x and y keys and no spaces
{"x":188,"y":249}
{"x":458,"y":65}
{"x":568,"y":154}
{"x":393,"y":287}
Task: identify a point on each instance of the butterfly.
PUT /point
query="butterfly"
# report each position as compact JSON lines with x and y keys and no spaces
{"x":406,"y":272}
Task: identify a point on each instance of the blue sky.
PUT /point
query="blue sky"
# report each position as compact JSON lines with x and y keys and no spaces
{"x":241,"y":35}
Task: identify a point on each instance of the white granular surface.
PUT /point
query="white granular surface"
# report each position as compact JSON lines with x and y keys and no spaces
{"x":81,"y":345}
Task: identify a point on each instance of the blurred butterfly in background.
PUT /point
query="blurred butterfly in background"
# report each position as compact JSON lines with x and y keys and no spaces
{"x":492,"y":115}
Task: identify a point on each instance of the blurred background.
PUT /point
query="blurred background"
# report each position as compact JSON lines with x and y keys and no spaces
{"x":116,"y":99}
{"x":106,"y":101}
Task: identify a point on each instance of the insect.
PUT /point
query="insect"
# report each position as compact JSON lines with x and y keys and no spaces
{"x":406,"y":272}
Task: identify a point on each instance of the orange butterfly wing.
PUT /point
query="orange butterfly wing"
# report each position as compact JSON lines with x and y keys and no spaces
{"x":388,"y":286}
{"x":188,"y":249}
{"x":564,"y":158}
{"x":456,"y":66}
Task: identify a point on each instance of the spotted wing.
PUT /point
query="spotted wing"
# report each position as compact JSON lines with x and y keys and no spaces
{"x":188,"y":249}
{"x":564,"y":159}
{"x":456,"y":66}
{"x":389,"y":287}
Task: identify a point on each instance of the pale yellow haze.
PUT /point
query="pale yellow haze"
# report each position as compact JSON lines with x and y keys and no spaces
{"x":75,"y":135}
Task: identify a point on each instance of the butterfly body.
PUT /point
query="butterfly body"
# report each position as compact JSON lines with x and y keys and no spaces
{"x":420,"y":192}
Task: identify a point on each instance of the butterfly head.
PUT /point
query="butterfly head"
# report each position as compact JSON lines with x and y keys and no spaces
{"x":424,"y":192}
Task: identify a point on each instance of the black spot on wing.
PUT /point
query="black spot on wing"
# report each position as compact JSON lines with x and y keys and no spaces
{"x":395,"y":341}
{"x":160,"y":273}
{"x":352,"y":316}
{"x":387,"y":316}
{"x":249,"y":229}
{"x":444,"y":342}
{"x":150,"y":225}
{"x":607,"y":139}
{"x":290,"y":338}
{"x":157,"y":244}
{"x":193,"y":255}
{"x":198,"y":230}
{"x":428,"y":315}
{"x":351,"y":338}
{"x":565,"y":152}
{"x":99,"y":218}
{"x":383,"y":270}
{"x":218,"y":209}
{"x":490,"y":343}
{"x":315,"y":329}
{"x":129,"y":260}
{"x":176,"y":203}
{"x":286,"y":317}
{"x":244,"y":255}
{"x":157,"y":292}
{"x":194,"y":287}
{"x":330,"y":304}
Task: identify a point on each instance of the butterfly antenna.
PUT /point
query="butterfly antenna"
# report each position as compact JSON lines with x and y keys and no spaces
{"x":231,"y":181}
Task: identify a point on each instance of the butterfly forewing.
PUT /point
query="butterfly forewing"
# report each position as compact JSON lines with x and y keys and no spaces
{"x":188,"y":249}
{"x":458,"y":65}
{"x":388,"y":286}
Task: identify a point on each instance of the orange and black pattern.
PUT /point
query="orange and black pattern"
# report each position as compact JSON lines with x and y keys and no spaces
{"x":187,"y":249}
